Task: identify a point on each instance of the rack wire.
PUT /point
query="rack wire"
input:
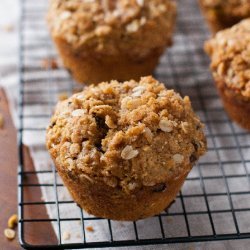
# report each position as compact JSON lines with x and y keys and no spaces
{"x":214,"y":200}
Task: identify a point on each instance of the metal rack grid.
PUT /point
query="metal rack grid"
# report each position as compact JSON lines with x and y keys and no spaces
{"x":214,"y":200}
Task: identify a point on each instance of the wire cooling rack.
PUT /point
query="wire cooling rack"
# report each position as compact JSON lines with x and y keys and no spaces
{"x":214,"y":203}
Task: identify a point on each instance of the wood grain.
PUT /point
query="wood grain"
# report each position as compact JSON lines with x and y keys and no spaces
{"x":35,"y":233}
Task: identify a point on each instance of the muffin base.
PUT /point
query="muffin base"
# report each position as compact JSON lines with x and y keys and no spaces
{"x":103,"y":201}
{"x":238,"y":110}
{"x":90,"y":69}
{"x":217,"y":21}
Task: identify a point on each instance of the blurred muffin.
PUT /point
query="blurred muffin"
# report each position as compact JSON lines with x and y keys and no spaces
{"x":222,"y":14}
{"x":230,"y":64}
{"x":102,"y":40}
{"x":124,"y":149}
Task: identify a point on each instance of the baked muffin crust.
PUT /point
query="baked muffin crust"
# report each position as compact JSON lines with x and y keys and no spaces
{"x":110,"y":27}
{"x":225,"y":13}
{"x":129,"y":135}
{"x":229,"y":7}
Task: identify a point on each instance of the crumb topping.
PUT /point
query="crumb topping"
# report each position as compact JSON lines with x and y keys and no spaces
{"x":230,"y":58}
{"x":126,"y":140}
{"x":109,"y":26}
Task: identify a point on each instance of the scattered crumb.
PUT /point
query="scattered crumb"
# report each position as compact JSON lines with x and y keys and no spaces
{"x":90,"y":229}
{"x":191,"y":248}
{"x":12,"y":221}
{"x":1,"y":121}
{"x":62,"y":96}
{"x":66,"y":235}
{"x":49,"y":63}
{"x":78,"y":235}
{"x":8,"y":28}
{"x":169,"y":219}
{"x":76,"y":90}
{"x":63,"y":197}
{"x":9,"y":234}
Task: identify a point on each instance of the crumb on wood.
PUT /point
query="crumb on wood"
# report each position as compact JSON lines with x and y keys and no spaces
{"x":90,"y":229}
{"x":49,"y":63}
{"x":1,"y":121}
{"x":12,"y":221}
{"x":9,"y":234}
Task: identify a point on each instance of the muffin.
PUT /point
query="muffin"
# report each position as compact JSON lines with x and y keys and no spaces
{"x":124,"y":150}
{"x":230,"y":64}
{"x":221,"y":14}
{"x":105,"y":40}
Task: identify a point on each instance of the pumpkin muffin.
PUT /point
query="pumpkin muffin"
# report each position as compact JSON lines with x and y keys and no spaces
{"x":124,"y":149}
{"x":230,"y":64}
{"x":221,"y":14}
{"x":102,"y":40}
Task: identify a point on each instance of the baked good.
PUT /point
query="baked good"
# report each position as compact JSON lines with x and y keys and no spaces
{"x":221,"y":14}
{"x":102,"y":40}
{"x":230,"y":64}
{"x":125,"y":149}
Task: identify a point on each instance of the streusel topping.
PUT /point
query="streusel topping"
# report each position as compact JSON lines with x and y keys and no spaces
{"x":230,"y":57}
{"x":126,"y":139}
{"x":108,"y":25}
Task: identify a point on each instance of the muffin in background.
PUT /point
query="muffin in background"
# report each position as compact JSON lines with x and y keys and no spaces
{"x":124,"y":150}
{"x":221,"y":14}
{"x":102,"y":40}
{"x":230,"y":64}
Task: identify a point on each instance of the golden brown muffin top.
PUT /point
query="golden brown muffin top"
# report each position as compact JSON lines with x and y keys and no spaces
{"x":230,"y":57}
{"x":108,"y":26}
{"x":128,"y":135}
{"x":229,"y":7}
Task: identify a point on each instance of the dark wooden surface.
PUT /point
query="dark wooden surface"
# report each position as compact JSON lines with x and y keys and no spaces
{"x":34,"y":233}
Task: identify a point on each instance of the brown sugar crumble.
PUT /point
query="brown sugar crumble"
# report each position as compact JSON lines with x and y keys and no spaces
{"x":49,"y":63}
{"x":90,"y":229}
